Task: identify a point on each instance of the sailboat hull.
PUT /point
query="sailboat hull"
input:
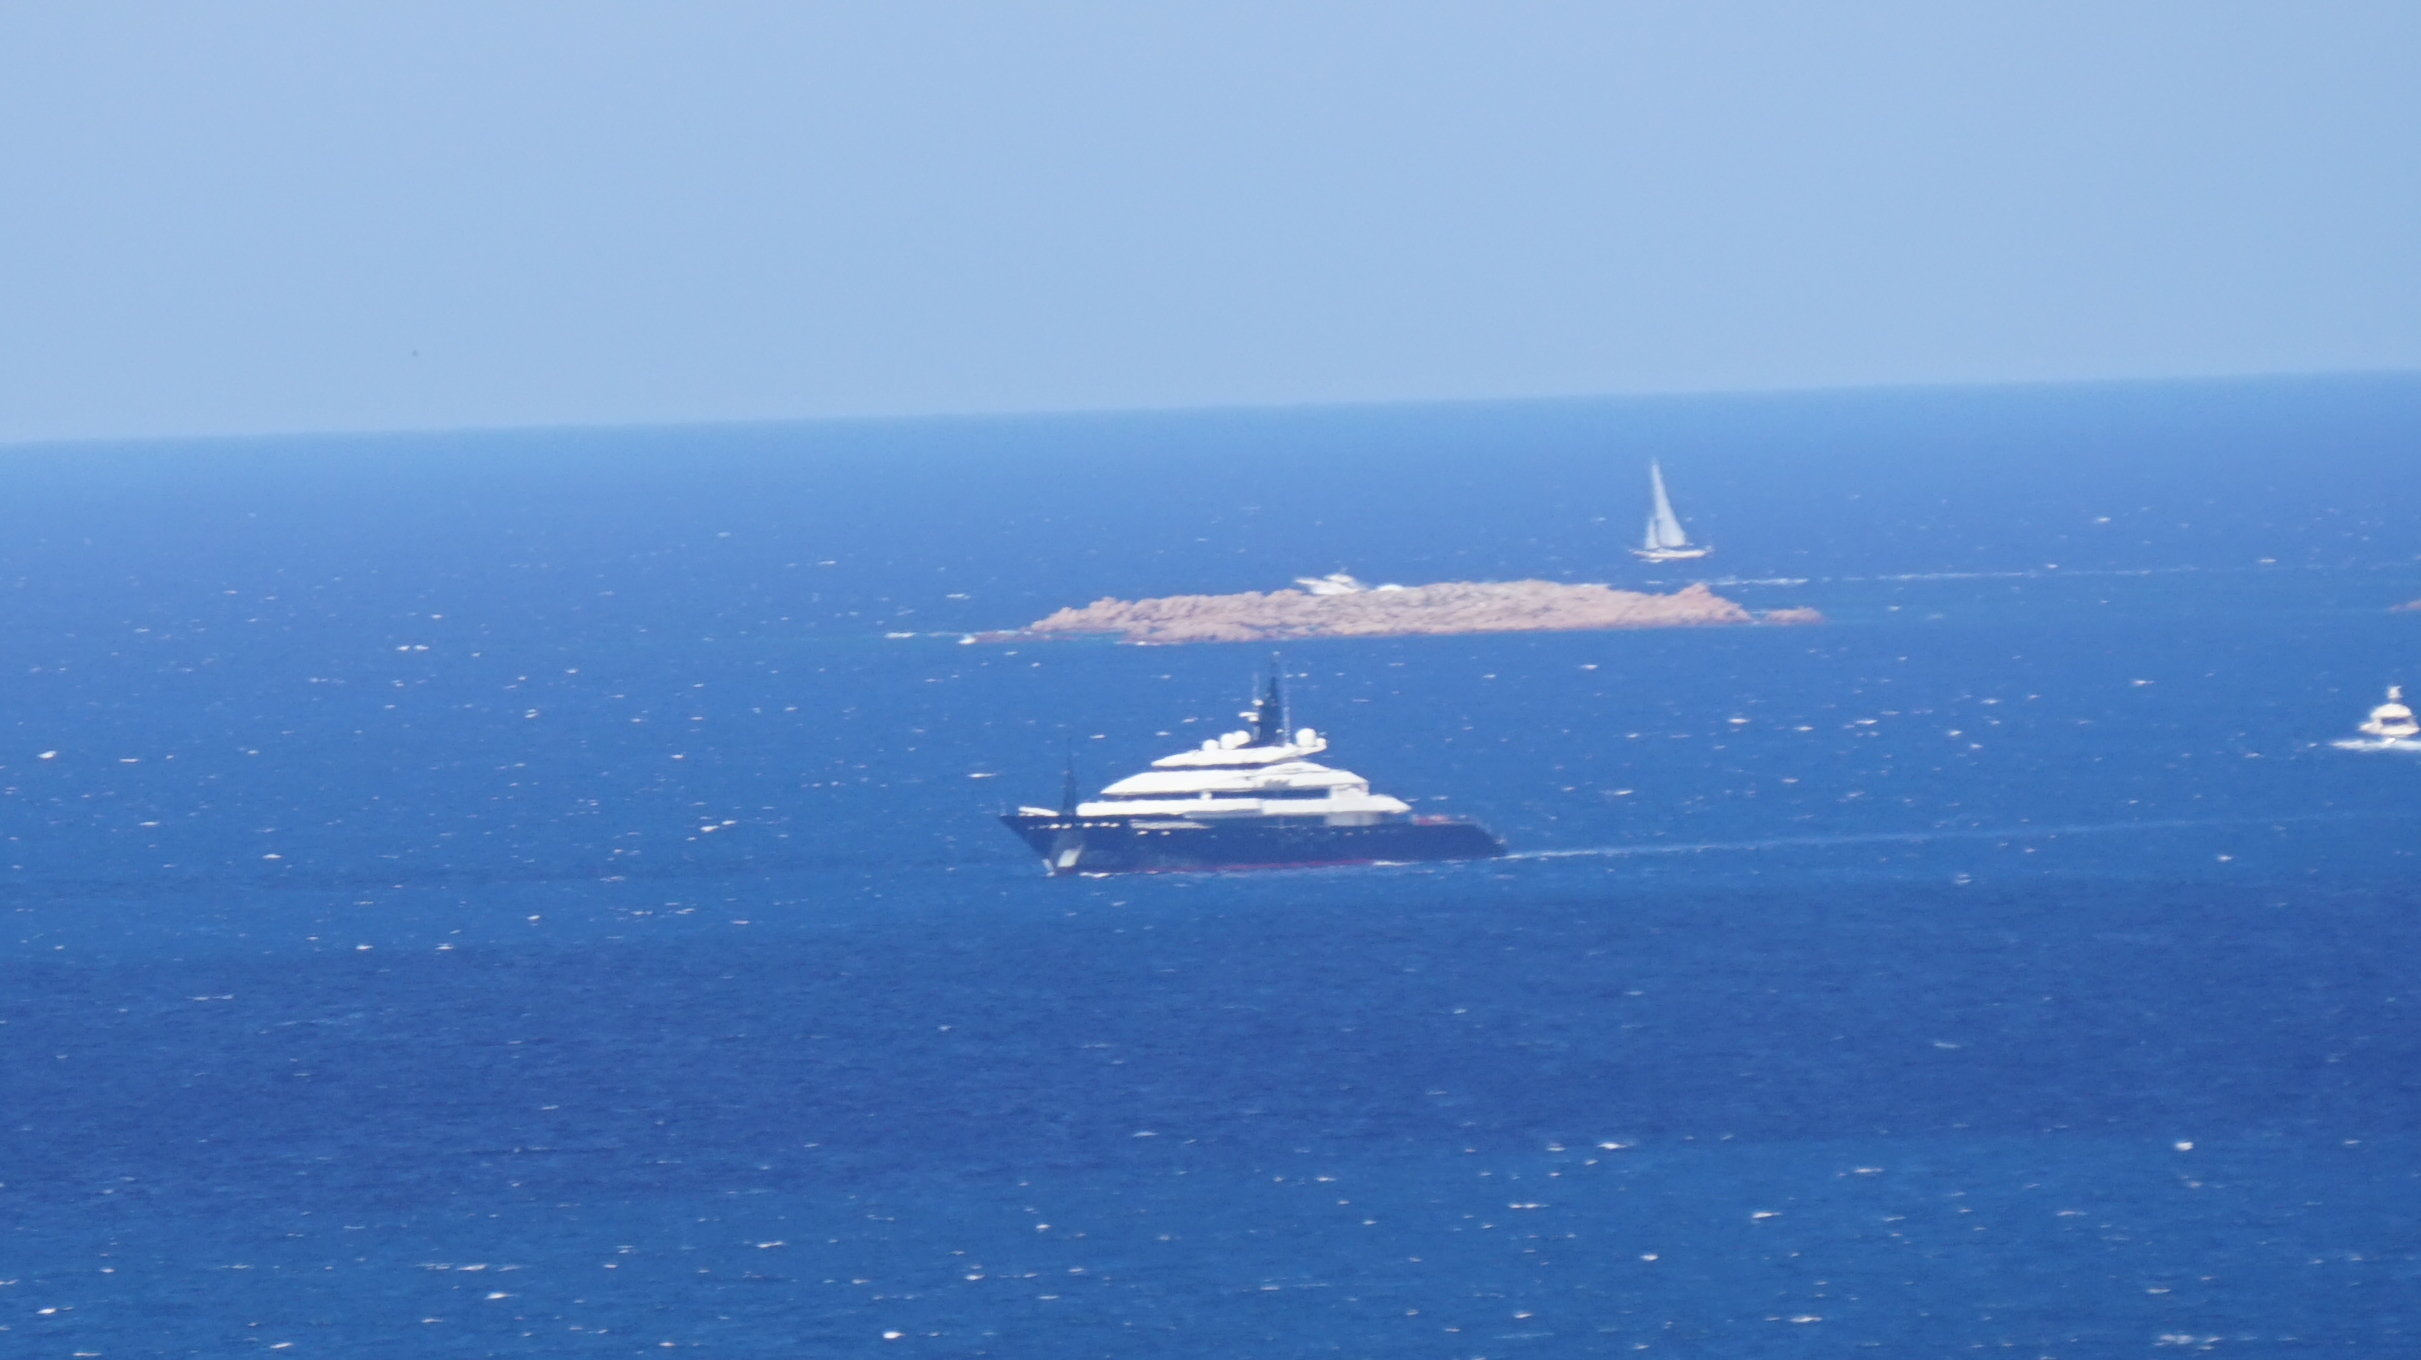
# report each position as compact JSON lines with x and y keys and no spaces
{"x":1669,"y":554}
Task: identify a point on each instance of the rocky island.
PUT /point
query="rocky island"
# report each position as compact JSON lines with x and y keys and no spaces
{"x":1340,"y":607}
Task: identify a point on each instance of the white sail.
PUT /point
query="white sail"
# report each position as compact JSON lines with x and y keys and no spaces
{"x":1664,"y":528}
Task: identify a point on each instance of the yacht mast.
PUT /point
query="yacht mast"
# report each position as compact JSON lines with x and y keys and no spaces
{"x":1268,"y":713}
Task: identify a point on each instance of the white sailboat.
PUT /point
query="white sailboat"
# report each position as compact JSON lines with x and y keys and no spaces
{"x":1665,"y":540}
{"x":2390,"y":727}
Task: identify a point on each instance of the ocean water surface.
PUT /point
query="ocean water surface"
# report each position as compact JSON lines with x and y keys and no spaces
{"x":537,"y":893}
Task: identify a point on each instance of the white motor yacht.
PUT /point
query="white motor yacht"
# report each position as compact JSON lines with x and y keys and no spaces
{"x":2390,"y":727}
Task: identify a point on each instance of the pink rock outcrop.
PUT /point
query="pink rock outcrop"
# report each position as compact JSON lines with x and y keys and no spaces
{"x":1448,"y":607}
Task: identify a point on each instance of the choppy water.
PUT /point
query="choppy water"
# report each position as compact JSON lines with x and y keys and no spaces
{"x":505,"y":894}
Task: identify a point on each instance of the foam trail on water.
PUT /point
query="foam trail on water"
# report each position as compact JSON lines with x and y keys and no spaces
{"x":1958,"y":834}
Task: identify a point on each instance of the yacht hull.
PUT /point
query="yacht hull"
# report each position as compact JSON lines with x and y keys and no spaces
{"x":1144,"y":845}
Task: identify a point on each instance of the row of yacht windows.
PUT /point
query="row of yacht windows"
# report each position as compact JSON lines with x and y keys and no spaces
{"x":1263,"y":794}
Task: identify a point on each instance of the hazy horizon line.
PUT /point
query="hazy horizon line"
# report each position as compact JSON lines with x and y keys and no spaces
{"x":1013,"y":414}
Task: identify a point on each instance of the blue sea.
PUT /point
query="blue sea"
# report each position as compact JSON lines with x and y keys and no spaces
{"x":538,"y":893}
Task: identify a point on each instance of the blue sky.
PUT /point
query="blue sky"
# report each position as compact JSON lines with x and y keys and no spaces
{"x":248,"y":217}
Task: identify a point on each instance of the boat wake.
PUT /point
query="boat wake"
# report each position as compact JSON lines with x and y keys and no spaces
{"x":2047,"y":571}
{"x":2004,"y":833}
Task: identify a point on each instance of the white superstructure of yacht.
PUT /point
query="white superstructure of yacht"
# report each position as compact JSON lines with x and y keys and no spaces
{"x":1234,"y":776}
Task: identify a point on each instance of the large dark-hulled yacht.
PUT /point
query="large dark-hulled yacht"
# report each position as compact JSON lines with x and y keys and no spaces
{"x":1247,"y":800}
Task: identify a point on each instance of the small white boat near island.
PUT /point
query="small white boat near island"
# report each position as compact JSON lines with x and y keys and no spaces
{"x":1337,"y":583}
{"x":2390,"y":727}
{"x":1666,"y":541}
